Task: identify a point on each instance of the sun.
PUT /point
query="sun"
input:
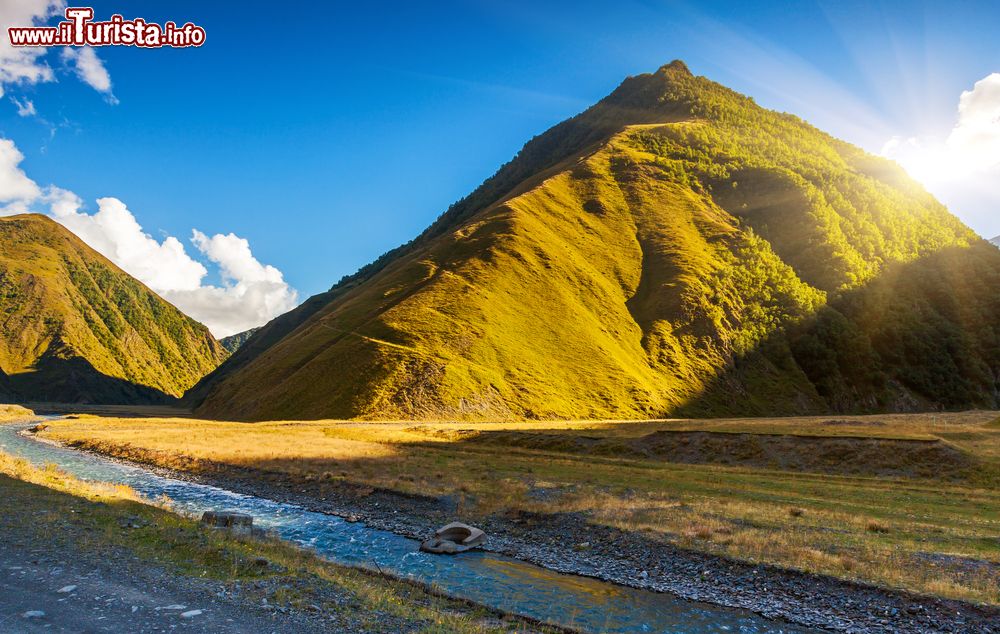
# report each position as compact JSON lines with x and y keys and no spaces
{"x":928,"y":161}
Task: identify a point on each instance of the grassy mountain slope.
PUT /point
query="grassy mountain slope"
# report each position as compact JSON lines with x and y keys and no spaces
{"x":76,"y":328}
{"x":674,"y":248}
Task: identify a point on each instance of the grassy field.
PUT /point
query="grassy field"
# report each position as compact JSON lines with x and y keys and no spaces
{"x":47,"y":496}
{"x":14,"y":412}
{"x":920,"y":512}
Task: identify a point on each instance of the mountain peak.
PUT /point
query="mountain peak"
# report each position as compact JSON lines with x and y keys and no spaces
{"x":676,"y":67}
{"x":668,"y":91}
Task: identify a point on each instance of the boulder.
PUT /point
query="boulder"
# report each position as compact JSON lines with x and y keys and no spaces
{"x":238,"y":523}
{"x":454,"y":538}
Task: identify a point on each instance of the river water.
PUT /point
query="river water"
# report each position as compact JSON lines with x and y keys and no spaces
{"x":487,"y":578}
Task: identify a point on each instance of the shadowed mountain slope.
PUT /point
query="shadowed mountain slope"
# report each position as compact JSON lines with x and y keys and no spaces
{"x":76,"y":328}
{"x":667,"y":250}
{"x":6,"y":392}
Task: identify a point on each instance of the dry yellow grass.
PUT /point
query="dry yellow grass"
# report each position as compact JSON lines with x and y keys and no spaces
{"x":51,"y":477}
{"x":14,"y":412}
{"x":919,"y":533}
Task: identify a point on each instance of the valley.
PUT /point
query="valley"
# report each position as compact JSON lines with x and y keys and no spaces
{"x":700,"y":356}
{"x":919,"y":514}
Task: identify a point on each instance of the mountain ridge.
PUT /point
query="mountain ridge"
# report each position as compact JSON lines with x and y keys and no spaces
{"x":675,"y":230}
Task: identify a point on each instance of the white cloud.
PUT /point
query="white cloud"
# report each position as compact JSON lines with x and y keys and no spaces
{"x":24,"y":65}
{"x":961,"y":166}
{"x":62,"y":202}
{"x":260,"y":289}
{"x":28,"y":65}
{"x":90,"y":69}
{"x":973,"y":145}
{"x":16,"y":189}
{"x":25,"y":108}
{"x":250,"y":295}
{"x":977,"y":134}
{"x":114,"y":232}
{"x":232,"y":253}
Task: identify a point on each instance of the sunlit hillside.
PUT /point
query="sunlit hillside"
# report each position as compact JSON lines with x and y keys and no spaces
{"x":675,"y":248}
{"x":76,"y":328}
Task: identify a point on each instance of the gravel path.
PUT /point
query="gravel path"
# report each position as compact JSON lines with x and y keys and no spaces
{"x":73,"y":593}
{"x":49,"y":583}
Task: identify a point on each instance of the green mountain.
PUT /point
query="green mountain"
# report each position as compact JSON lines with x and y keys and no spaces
{"x":232,"y":343}
{"x":675,"y":248}
{"x":76,"y":328}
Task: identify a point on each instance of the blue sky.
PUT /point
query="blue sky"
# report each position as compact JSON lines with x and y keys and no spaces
{"x":328,"y":133}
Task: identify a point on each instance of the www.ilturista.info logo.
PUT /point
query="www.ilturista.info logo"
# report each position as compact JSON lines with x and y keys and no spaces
{"x":79,"y":29}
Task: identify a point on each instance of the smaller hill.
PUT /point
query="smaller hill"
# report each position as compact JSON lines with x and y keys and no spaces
{"x":75,"y":328}
{"x":232,"y":343}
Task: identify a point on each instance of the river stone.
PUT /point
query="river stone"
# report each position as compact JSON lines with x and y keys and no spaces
{"x":239,"y":523}
{"x":454,"y":538}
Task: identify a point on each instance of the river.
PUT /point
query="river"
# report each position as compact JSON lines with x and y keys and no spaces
{"x":490,"y":579}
